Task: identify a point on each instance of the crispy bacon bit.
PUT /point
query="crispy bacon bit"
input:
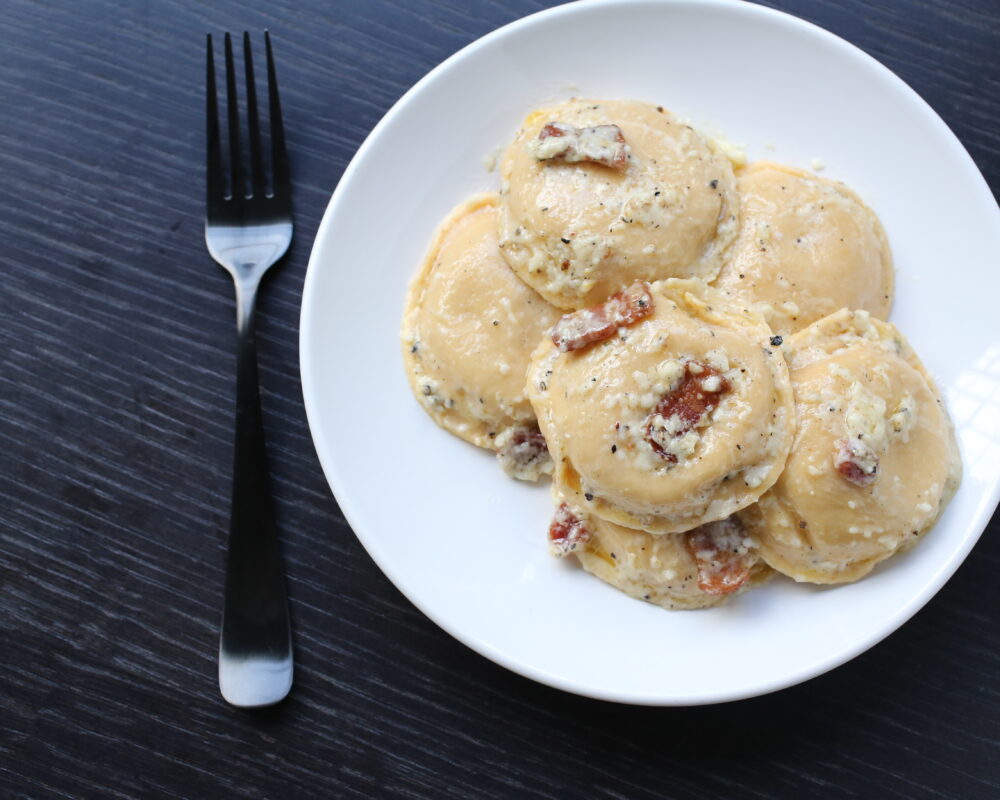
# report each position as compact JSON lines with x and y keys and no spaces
{"x":722,"y":551}
{"x":577,"y":330}
{"x":556,"y":129}
{"x":856,"y":462}
{"x":685,"y":407}
{"x":525,"y":455}
{"x":601,"y":144}
{"x":567,"y":531}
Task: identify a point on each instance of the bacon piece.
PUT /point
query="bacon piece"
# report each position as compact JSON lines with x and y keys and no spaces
{"x":567,"y":531}
{"x":557,"y":130}
{"x":525,"y":455}
{"x":856,"y":462}
{"x":601,"y":144}
{"x":577,"y":330}
{"x":724,"y":559}
{"x":684,"y":407}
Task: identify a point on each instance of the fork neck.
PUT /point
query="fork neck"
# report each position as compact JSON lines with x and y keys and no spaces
{"x":246,"y":305}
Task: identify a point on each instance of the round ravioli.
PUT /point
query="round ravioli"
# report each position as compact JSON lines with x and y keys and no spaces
{"x":674,"y":416}
{"x":596,"y":194}
{"x":806,"y":247}
{"x":875,"y":458}
{"x":697,"y":569}
{"x":468,"y":331}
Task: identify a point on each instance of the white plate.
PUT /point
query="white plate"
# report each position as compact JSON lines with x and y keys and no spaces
{"x":466,"y":544}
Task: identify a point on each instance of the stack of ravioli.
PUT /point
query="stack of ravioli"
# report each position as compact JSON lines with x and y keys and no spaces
{"x":698,"y":357}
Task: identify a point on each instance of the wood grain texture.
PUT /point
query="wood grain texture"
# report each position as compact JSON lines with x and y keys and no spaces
{"x":116,"y":387}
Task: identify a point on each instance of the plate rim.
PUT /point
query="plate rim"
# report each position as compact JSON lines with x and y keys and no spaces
{"x":978,"y":523}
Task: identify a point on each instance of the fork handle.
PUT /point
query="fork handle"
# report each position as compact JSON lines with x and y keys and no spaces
{"x":255,"y":648}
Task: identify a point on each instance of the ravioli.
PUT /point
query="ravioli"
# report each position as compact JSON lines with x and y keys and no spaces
{"x":677,"y":418}
{"x":806,"y":247}
{"x":597,"y":194}
{"x":875,"y":459}
{"x":672,"y":342}
{"x":468,"y":332}
{"x":697,"y":569}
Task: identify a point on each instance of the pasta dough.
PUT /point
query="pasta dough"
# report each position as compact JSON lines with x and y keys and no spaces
{"x":664,"y":569}
{"x":578,"y":231}
{"x":806,"y":248}
{"x":678,"y":419}
{"x":875,"y":458}
{"x":468,"y":331}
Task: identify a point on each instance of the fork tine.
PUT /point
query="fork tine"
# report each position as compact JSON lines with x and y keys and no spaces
{"x":238,"y":189}
{"x":279,"y":159}
{"x":213,"y":173}
{"x":257,"y":177}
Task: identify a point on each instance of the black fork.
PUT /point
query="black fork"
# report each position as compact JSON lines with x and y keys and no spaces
{"x":248,"y":227}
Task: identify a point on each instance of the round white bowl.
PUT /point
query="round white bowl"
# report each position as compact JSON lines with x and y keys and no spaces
{"x":465,"y":543}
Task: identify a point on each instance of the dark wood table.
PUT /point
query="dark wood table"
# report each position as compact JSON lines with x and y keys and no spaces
{"x":116,"y":390}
